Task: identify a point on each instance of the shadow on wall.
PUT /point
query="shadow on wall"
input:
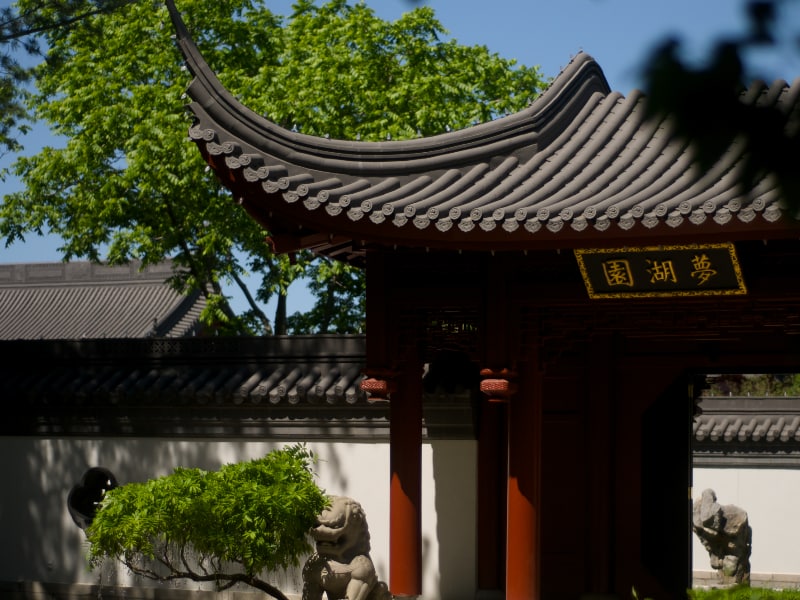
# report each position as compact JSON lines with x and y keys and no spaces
{"x":42,"y":541}
{"x":360,"y":470}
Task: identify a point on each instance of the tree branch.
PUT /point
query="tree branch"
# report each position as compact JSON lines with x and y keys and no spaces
{"x":252,"y":303}
{"x":229,"y":579}
{"x":24,"y":32}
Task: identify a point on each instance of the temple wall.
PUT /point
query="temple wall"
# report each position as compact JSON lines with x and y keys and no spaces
{"x":769,"y":495}
{"x":44,"y":550}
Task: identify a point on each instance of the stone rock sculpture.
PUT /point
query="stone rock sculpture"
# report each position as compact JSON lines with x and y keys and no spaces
{"x":341,"y":566}
{"x":725,"y":532}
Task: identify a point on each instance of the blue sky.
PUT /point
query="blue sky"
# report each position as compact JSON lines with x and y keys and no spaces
{"x":619,"y":34}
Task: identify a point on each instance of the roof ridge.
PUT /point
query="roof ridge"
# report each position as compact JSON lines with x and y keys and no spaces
{"x":581,"y":79}
{"x":82,"y":273}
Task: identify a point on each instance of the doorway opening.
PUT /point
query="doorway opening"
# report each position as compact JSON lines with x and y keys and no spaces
{"x":746,"y":451}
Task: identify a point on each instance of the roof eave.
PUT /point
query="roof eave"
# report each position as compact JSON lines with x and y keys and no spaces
{"x":580,"y":167}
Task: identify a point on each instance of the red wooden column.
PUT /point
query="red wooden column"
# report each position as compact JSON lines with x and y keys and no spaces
{"x":523,"y":573}
{"x":403,"y":390}
{"x":492,"y":436}
{"x":405,"y":452}
{"x":491,"y":496}
{"x":400,"y":382}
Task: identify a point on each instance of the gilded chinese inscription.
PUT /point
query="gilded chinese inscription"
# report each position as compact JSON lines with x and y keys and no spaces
{"x":618,"y":272}
{"x":661,"y":271}
{"x":703,"y":269}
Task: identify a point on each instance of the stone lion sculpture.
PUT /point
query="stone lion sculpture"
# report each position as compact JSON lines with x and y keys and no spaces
{"x":341,"y":566}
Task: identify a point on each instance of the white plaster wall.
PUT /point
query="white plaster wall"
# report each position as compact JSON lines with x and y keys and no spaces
{"x":41,"y":543}
{"x":449,"y":519}
{"x":770,"y":498}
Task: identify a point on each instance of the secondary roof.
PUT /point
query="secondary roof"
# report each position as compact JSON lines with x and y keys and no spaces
{"x":580,"y":167}
{"x":82,"y":300}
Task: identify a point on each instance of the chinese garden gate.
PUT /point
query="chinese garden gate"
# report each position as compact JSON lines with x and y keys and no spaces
{"x":580,"y":267}
{"x":598,"y":430}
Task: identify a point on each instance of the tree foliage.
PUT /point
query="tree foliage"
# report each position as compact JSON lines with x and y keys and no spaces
{"x":13,"y":77}
{"x":19,"y":36}
{"x":341,"y":307}
{"x":753,"y":384}
{"x":226,"y":526}
{"x":129,"y":185}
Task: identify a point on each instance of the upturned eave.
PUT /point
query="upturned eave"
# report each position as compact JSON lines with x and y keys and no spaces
{"x":582,"y":166}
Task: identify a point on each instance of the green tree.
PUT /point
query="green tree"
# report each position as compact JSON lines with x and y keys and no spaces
{"x":227,"y":527}
{"x":753,"y":384}
{"x":341,"y":305}
{"x":127,"y":185}
{"x":18,"y":37}
{"x":13,"y":77}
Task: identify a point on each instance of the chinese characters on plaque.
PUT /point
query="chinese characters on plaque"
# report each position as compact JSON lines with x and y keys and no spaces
{"x":690,"y":270}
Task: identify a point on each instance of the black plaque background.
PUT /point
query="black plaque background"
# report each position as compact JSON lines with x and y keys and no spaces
{"x":727,"y":281}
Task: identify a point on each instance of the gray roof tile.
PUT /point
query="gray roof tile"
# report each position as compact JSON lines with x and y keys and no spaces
{"x":749,"y":419}
{"x":86,"y":300}
{"x":730,"y":428}
{"x":577,"y":167}
{"x":193,"y":385}
{"x":282,"y":385}
{"x":233,"y":371}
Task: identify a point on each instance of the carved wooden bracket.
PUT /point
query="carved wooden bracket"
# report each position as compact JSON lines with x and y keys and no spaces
{"x":498,"y":384}
{"x":379,"y":384}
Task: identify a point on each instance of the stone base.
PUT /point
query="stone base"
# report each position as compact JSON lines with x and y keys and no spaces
{"x":772,"y":581}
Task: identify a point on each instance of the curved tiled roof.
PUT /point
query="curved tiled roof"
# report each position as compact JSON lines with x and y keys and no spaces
{"x":580,"y":166}
{"x":85,"y":300}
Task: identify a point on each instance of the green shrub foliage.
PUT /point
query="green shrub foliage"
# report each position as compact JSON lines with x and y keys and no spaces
{"x":743,"y":592}
{"x":225,"y":526}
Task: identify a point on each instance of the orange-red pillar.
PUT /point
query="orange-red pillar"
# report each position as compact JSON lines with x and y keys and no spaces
{"x":405,"y":457}
{"x":402,"y":381}
{"x":522,"y":530}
